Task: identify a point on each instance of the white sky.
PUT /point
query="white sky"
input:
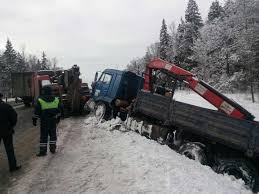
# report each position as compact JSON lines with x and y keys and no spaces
{"x":94,"y":34}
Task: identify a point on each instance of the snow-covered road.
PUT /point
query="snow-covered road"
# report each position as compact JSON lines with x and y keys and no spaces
{"x":94,"y":158}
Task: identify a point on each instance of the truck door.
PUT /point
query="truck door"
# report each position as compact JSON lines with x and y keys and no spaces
{"x":102,"y":86}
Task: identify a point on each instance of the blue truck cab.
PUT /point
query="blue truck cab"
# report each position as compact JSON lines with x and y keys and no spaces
{"x":115,"y":85}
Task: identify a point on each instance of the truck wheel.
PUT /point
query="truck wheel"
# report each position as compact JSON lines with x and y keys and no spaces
{"x":194,"y":151}
{"x":240,"y":169}
{"x":102,"y":112}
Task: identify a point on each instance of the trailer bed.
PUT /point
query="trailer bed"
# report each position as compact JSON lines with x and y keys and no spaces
{"x":22,"y":84}
{"x":218,"y":127}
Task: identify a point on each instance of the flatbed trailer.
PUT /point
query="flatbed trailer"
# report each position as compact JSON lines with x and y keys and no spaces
{"x":217,"y":127}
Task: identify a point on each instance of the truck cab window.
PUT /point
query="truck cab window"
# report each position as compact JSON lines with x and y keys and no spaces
{"x":106,"y":78}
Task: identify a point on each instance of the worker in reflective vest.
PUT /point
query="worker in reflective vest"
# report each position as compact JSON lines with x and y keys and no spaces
{"x":49,"y":110}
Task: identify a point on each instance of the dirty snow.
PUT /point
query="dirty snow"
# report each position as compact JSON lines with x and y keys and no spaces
{"x":95,"y":158}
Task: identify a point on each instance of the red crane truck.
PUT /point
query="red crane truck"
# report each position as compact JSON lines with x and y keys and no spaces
{"x":226,"y":139}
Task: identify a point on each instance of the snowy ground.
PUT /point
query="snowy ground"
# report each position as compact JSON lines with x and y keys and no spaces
{"x":94,"y":158}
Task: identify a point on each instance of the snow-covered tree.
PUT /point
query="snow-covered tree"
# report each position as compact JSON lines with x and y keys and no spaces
{"x":164,"y":41}
{"x":179,"y":42}
{"x":9,"y":57}
{"x":224,"y":49}
{"x":35,"y":63}
{"x":256,"y":53}
{"x":216,"y":11}
{"x":44,"y":62}
{"x":209,"y":51}
{"x":256,"y":49}
{"x":172,"y":43}
{"x":193,"y":16}
{"x":2,"y":66}
{"x":20,"y":63}
{"x":184,"y":40}
{"x":187,"y":33}
{"x":138,"y":65}
{"x":153,"y":50}
{"x":54,"y":63}
{"x":8,"y":65}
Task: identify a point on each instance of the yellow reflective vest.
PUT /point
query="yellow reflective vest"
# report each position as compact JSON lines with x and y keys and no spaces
{"x":48,"y":105}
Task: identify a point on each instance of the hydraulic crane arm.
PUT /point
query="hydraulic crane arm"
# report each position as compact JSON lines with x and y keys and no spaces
{"x":221,"y":102}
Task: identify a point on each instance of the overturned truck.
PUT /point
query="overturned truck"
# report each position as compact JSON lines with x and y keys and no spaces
{"x":227,"y":139}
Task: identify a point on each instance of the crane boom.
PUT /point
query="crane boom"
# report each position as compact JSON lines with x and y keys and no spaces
{"x":214,"y":97}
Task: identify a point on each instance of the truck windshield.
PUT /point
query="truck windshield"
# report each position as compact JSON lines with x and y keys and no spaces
{"x":105,"y":78}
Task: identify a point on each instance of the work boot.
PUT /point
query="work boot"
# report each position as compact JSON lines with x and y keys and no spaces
{"x":15,"y":168}
{"x":40,"y":154}
{"x":52,"y":150}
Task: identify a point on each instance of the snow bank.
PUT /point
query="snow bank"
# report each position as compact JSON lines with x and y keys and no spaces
{"x":96,"y":158}
{"x":140,"y":165}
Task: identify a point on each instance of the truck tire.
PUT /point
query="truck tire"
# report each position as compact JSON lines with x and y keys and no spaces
{"x":102,"y":111}
{"x":194,"y":151}
{"x":240,"y":169}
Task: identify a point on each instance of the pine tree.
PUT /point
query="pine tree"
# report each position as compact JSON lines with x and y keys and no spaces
{"x":35,"y":63}
{"x":256,"y":45}
{"x":172,"y":43}
{"x":2,"y":67}
{"x":44,"y":62}
{"x":4,"y":77}
{"x":148,"y":57}
{"x":164,"y":41}
{"x":9,"y":65}
{"x":9,"y":57}
{"x":180,"y":54}
{"x":189,"y":37}
{"x":216,"y":11}
{"x":185,"y":38}
{"x":187,"y":34}
{"x":193,"y":16}
{"x":21,"y":63}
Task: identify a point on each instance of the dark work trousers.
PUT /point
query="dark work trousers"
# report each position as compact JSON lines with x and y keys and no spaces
{"x":48,"y":129}
{"x":8,"y":143}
